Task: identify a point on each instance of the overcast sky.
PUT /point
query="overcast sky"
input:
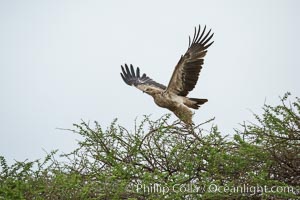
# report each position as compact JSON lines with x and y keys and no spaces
{"x":60,"y":63}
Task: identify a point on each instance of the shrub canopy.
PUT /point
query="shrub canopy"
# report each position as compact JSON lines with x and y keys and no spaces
{"x":163,"y":160}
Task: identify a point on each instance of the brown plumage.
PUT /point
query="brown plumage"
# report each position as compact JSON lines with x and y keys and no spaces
{"x":183,"y":80}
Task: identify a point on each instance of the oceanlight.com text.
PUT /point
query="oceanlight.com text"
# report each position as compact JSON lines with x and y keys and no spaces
{"x":213,"y":188}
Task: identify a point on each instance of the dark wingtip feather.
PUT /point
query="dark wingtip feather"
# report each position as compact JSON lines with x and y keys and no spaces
{"x":198,"y":32}
{"x":208,"y":45}
{"x":138,"y":72}
{"x":132,"y":70}
{"x":202,"y":34}
{"x":125,"y":74}
{"x":126,"y":67}
{"x":195,"y":31}
{"x":128,"y":74}
{"x":123,"y":69}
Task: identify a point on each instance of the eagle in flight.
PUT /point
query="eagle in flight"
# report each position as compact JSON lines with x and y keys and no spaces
{"x":183,"y":80}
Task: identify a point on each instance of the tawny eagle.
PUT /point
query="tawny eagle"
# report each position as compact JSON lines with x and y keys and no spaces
{"x":183,"y":80}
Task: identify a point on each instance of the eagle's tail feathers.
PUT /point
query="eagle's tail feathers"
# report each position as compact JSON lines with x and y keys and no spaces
{"x":195,"y":103}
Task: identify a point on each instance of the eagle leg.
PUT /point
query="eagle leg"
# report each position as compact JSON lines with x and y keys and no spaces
{"x":184,"y":114}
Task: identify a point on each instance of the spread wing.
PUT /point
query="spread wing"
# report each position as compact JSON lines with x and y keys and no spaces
{"x":143,"y":82}
{"x":186,"y":73}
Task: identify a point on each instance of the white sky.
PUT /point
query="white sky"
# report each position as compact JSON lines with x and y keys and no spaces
{"x":60,"y":63}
